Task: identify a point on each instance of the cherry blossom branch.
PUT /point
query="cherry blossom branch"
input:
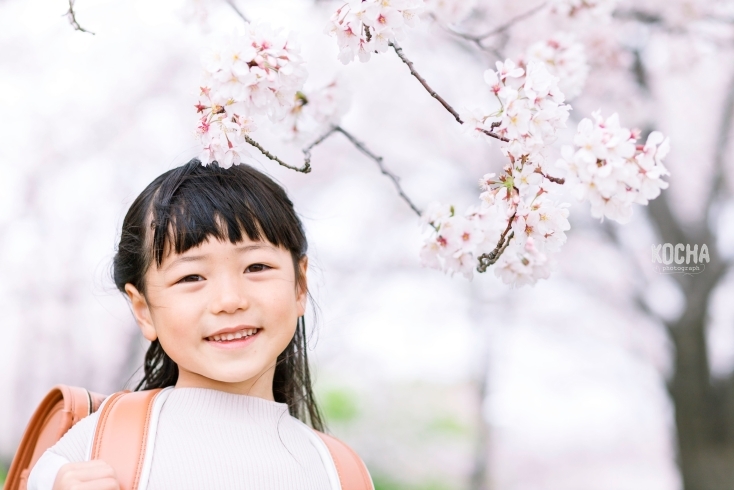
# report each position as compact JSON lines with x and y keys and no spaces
{"x":478,"y":38}
{"x":401,"y":55}
{"x":306,"y":168}
{"x":72,"y":19}
{"x":485,"y":260}
{"x":361,"y":147}
{"x":659,"y":22}
{"x":379,"y":160}
{"x":307,"y":151}
{"x":557,"y":180}
{"x":237,"y":10}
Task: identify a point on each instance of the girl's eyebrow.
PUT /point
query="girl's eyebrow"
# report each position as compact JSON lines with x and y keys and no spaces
{"x":196,"y":258}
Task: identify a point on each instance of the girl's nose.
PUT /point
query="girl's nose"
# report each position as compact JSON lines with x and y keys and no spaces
{"x":228,"y":297}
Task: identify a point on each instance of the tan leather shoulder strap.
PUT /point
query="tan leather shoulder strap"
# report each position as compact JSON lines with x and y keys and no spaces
{"x":353,"y":474}
{"x":61,"y":408}
{"x":121,"y":434}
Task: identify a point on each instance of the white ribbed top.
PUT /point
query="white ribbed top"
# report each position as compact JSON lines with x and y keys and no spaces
{"x":213,"y":439}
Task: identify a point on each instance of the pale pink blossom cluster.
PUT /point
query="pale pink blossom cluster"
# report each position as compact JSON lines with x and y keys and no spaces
{"x":533,"y":226}
{"x":565,"y":58}
{"x":520,"y":266}
{"x":516,"y":212}
{"x":531,"y":108}
{"x":599,"y":9}
{"x":608,"y":168}
{"x":254,"y":74}
{"x":315,"y":111}
{"x":365,"y":26}
{"x":538,"y":222}
{"x":456,"y":241}
{"x":221,"y":132}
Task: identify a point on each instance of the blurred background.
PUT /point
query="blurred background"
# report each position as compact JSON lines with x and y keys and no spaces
{"x":607,"y":376}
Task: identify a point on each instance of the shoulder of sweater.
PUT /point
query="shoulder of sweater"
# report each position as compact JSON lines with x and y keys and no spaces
{"x":73,"y":444}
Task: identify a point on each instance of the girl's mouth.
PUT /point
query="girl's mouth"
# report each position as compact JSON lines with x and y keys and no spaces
{"x":241,"y":339}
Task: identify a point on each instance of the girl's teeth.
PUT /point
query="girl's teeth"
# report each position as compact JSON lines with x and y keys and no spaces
{"x":233,"y":336}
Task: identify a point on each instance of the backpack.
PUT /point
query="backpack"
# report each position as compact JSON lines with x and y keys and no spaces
{"x":121,"y":435}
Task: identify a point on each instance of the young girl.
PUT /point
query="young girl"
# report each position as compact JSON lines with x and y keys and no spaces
{"x":214,"y":263}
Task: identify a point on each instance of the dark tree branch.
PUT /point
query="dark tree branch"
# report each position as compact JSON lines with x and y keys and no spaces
{"x":361,"y":147}
{"x":485,"y":260}
{"x":307,"y":151}
{"x":557,"y":180}
{"x":477,"y":38}
{"x":719,"y":186}
{"x":401,"y":55}
{"x":492,"y":134}
{"x":72,"y":18}
{"x":306,"y":168}
{"x":658,"y":21}
{"x":638,"y":15}
{"x":378,"y":159}
{"x":237,"y":10}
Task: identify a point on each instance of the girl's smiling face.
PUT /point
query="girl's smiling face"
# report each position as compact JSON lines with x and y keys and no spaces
{"x":218,"y":285}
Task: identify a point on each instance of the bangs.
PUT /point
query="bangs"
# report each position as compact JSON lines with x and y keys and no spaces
{"x":196,"y":202}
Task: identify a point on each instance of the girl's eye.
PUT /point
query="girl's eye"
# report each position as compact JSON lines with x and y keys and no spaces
{"x":192,"y":278}
{"x":257,"y":268}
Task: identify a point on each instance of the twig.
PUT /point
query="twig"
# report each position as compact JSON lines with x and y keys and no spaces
{"x":378,"y":159}
{"x":72,"y":19}
{"x":485,"y":260}
{"x":237,"y":10}
{"x":307,"y":151}
{"x":306,"y":168}
{"x":477,"y":38}
{"x":401,"y":55}
{"x":493,"y":135}
{"x":557,"y":180}
{"x":660,"y":23}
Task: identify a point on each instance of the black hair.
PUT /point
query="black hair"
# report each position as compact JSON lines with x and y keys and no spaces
{"x":181,"y":209}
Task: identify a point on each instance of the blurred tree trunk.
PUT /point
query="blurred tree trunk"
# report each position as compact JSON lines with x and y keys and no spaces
{"x":704,"y":406}
{"x":480,"y":477}
{"x":480,"y":473}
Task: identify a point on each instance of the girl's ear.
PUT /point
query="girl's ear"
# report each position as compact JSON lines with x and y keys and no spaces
{"x":141,"y":312}
{"x":302,"y":286}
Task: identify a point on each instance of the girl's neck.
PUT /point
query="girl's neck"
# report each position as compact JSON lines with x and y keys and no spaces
{"x":260,"y":386}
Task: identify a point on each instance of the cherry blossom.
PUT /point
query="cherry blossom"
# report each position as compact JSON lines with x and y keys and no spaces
{"x":531,"y":110}
{"x":258,"y":73}
{"x":522,"y":265}
{"x":531,"y":107}
{"x":565,"y":58}
{"x":456,"y":241}
{"x":364,"y":27}
{"x":610,"y":170}
{"x":314,"y":111}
